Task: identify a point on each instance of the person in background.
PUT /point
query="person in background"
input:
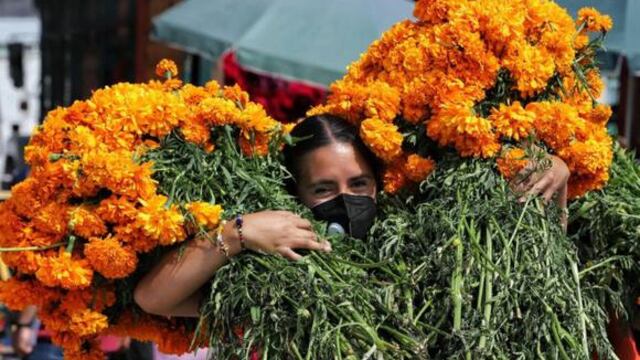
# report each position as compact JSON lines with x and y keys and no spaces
{"x":32,"y":342}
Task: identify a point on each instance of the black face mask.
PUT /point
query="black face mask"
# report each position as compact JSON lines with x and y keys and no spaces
{"x":355,"y":213}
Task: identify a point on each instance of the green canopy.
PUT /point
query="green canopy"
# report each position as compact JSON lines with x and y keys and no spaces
{"x":309,"y":40}
{"x":207,"y":27}
{"x":315,"y":40}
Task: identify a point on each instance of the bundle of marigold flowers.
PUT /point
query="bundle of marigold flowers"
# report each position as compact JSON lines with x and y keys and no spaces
{"x":91,"y":207}
{"x":482,"y":77}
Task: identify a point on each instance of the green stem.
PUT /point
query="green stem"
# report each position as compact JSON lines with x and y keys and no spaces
{"x":583,"y":325}
{"x":32,"y":248}
{"x":488,"y":292}
{"x":456,"y":286}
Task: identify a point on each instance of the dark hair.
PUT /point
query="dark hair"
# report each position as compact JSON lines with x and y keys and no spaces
{"x":320,"y":130}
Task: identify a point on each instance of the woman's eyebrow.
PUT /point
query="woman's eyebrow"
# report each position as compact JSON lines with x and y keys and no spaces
{"x":361,"y":177}
{"x":322,"y":182}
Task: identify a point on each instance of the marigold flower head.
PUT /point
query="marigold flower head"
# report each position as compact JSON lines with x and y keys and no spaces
{"x":62,"y":270}
{"x":87,"y":322}
{"x":206,"y":215}
{"x":512,"y":162}
{"x":394,"y":179}
{"x":110,"y":258}
{"x":593,"y":20}
{"x":167,"y":68}
{"x":160,"y":223}
{"x":253,"y":143}
{"x":16,"y":294}
{"x":418,"y":168}
{"x":382,"y":138}
{"x":512,"y":121}
{"x":86,"y":223}
{"x":117,"y":210}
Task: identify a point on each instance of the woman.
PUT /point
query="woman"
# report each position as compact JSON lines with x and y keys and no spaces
{"x":335,"y":175}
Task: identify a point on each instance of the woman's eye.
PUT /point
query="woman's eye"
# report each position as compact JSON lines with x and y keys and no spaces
{"x":359,"y":184}
{"x":320,"y":191}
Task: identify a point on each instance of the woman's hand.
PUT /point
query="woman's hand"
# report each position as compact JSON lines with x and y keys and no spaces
{"x":280,"y":232}
{"x":552,"y":181}
{"x":547,"y":183}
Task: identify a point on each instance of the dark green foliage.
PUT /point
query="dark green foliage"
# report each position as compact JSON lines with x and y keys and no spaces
{"x":458,"y":269}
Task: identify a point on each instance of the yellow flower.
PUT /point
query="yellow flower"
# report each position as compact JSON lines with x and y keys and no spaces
{"x":206,"y":215}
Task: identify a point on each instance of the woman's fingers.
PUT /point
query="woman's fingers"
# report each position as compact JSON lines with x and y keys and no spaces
{"x":312,"y":244}
{"x":548,"y":193}
{"x":537,"y":188}
{"x":290,"y":254}
{"x":302,"y":223}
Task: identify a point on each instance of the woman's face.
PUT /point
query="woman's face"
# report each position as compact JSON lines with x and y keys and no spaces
{"x":331,"y":170}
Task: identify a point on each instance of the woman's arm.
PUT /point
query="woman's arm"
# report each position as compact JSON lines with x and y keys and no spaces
{"x":172,"y":287}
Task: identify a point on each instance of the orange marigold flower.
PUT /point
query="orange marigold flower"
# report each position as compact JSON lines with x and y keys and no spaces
{"x":110,"y":258}
{"x":206,"y":215}
{"x":382,"y":138}
{"x":64,"y":271}
{"x":593,"y":20}
{"x":434,"y":11}
{"x":418,"y":168}
{"x":512,"y":121}
{"x":512,"y":162}
{"x":255,"y":118}
{"x":17,"y":294}
{"x":26,"y":198}
{"x":87,"y":322}
{"x":162,"y":224}
{"x":456,"y":124}
{"x":394,"y":179}
{"x":556,"y":123}
{"x":252,"y":143}
{"x":218,"y":112}
{"x":213,"y":88}
{"x":11,"y":226}
{"x":531,"y":66}
{"x":117,"y":210}
{"x":599,"y":115}
{"x":166,"y":68}
{"x":25,"y":262}
{"x":68,"y":341}
{"x":86,"y":223}
{"x":234,"y":93}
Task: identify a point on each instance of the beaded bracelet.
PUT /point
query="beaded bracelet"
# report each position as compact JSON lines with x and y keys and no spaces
{"x":222,"y":246}
{"x":239,"y":222}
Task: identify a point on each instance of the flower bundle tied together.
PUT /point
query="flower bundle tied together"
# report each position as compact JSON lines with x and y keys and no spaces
{"x":481,"y":77}
{"x":91,"y":206}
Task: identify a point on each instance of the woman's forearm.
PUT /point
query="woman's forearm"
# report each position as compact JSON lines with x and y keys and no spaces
{"x":172,"y":287}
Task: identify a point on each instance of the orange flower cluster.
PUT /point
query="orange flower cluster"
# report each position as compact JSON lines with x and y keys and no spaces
{"x":90,"y":206}
{"x":478,"y":75}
